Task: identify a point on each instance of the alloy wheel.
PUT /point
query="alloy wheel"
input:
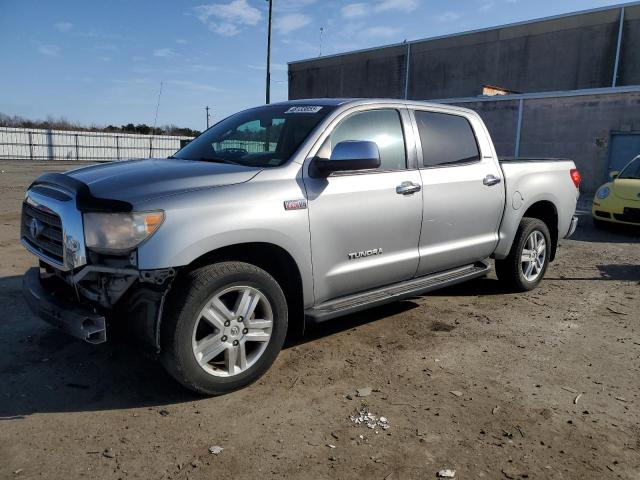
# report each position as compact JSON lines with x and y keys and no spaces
{"x":232,"y":331}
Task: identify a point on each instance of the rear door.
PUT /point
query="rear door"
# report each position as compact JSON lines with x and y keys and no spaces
{"x":364,"y":233}
{"x":463,"y":190}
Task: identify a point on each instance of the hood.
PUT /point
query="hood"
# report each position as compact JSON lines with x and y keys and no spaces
{"x":626,"y":188}
{"x":137,"y":180}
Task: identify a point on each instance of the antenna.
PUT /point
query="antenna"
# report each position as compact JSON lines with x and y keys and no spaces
{"x":208,"y":115}
{"x":321,"y":35}
{"x":268,"y":92}
{"x":155,"y":119}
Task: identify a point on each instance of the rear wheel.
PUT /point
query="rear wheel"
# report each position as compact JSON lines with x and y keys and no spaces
{"x":527,"y":262}
{"x":223,"y":328}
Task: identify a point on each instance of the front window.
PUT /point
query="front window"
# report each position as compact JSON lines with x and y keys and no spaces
{"x":632,"y":170}
{"x":380,"y":126}
{"x":261,"y":137}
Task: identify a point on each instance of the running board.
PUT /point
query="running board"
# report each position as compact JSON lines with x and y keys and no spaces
{"x":397,"y":291}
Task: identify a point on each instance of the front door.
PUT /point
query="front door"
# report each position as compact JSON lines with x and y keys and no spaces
{"x":364,"y":234}
{"x":462,"y":188}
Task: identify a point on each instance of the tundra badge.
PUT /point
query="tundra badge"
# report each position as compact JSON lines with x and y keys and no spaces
{"x":365,"y":253}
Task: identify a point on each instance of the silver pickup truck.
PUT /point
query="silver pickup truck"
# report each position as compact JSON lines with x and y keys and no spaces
{"x":288,"y":213}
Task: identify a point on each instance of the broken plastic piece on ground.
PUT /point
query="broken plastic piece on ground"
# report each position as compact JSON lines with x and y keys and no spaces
{"x":369,"y":419}
{"x":364,"y":391}
{"x":447,"y":473}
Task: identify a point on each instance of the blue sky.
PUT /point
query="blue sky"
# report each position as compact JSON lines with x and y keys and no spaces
{"x":102,"y":62}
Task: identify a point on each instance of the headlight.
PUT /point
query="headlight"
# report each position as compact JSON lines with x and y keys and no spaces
{"x":119,"y":232}
{"x":603,"y":193}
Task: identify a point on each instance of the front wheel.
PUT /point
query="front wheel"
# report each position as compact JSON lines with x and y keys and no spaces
{"x":224,"y":326}
{"x":527,"y":262}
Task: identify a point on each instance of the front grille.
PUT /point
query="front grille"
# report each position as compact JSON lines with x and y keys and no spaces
{"x":48,"y":239}
{"x":631,"y":215}
{"x":600,"y":213}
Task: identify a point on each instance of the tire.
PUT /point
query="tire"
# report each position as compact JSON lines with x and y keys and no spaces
{"x":204,"y":316}
{"x":512,"y":271}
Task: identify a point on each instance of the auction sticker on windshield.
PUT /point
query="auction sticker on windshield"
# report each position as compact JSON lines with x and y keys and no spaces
{"x":304,"y":109}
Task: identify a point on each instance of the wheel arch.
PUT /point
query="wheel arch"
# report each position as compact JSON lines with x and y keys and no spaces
{"x":543,"y":208}
{"x":546,"y":211}
{"x":273,"y":259}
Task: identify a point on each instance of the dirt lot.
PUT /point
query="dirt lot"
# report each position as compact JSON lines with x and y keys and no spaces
{"x":547,"y":384}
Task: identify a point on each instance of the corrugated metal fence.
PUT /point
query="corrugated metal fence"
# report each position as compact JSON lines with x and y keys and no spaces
{"x":40,"y":144}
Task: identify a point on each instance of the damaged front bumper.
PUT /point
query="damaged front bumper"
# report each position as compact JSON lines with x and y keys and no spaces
{"x":98,"y":298}
{"x":47,"y":299}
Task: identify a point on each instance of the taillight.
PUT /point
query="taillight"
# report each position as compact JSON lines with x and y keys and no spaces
{"x":575,"y":176}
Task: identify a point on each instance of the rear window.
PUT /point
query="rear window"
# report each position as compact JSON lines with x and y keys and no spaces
{"x":446,"y":139}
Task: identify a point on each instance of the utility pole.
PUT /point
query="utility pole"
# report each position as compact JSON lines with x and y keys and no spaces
{"x":268,"y":95}
{"x":321,"y":35}
{"x":208,"y":116}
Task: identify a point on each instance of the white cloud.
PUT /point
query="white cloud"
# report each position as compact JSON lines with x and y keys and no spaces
{"x":290,"y":22}
{"x":193,"y":86}
{"x":353,"y":10}
{"x":361,"y":9}
{"x":486,"y":6}
{"x":181,"y":41}
{"x":198,"y":67}
{"x":164,"y":53}
{"x":291,"y":5}
{"x":107,"y":47}
{"x":448,"y":17}
{"x":227,"y":18}
{"x":49,"y":50}
{"x":402,"y":5}
{"x":381,"y":31}
{"x":63,"y":26}
{"x":275,"y":67}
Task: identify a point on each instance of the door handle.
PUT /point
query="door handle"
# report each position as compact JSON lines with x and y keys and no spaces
{"x":491,"y":180}
{"x":407,"y":188}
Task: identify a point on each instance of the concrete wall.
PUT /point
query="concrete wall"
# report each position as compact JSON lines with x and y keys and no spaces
{"x":576,"y":127}
{"x":501,"y":119}
{"x":377,"y":73}
{"x":629,"y":73}
{"x":564,"y":54}
{"x":567,"y":53}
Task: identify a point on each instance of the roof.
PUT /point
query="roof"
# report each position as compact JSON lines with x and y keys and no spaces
{"x":335,"y":102}
{"x":316,"y":101}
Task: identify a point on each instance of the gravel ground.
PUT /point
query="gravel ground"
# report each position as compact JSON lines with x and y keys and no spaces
{"x":472,"y":378}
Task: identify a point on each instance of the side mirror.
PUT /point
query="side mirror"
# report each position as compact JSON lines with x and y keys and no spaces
{"x":614,"y":174}
{"x":346,"y":156}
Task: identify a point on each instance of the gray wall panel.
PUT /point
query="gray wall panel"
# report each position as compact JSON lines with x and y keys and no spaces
{"x":629,"y":71}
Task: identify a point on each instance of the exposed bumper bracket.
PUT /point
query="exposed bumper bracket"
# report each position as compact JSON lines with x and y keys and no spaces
{"x":71,"y":318}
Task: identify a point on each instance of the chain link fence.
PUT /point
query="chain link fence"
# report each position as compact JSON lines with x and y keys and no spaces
{"x":40,"y":144}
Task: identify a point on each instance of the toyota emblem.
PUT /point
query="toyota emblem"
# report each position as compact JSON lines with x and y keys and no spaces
{"x":36,"y":227}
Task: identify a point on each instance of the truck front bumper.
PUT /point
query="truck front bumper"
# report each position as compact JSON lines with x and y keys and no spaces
{"x":49,"y":303}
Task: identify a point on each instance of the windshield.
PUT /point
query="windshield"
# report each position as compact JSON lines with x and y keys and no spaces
{"x":261,"y":137}
{"x":632,"y":170}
